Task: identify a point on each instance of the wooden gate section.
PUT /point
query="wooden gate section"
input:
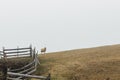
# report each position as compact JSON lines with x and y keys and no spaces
{"x":18,"y":52}
{"x":25,"y":71}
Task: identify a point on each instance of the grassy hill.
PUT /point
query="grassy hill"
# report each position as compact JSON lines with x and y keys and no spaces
{"x":82,"y":64}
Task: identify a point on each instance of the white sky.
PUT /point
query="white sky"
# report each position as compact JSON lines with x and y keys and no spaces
{"x":59,"y":24}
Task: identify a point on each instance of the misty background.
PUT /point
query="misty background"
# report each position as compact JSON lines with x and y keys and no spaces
{"x":59,"y":24}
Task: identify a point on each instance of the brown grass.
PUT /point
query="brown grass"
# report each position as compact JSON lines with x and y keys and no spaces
{"x":16,"y":62}
{"x":82,"y":64}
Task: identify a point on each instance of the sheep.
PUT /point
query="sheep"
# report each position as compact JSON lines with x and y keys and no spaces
{"x":43,"y":50}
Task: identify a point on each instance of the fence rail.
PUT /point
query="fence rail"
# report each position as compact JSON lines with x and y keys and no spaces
{"x":26,"y":75}
{"x":25,"y":71}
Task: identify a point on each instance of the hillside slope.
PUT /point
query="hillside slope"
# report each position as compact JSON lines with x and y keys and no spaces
{"x":82,"y":64}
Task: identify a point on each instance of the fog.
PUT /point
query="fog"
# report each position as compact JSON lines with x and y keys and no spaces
{"x":59,"y":24}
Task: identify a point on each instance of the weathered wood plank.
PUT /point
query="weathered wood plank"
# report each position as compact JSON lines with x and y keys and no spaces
{"x":27,"y":70}
{"x":17,"y":55}
{"x":26,"y":75}
{"x":16,"y":49}
{"x":17,"y":52}
{"x":9,"y":57}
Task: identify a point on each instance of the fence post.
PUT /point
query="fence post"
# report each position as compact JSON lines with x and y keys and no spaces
{"x":35,"y":58}
{"x":4,"y":54}
{"x":5,"y":71}
{"x":4,"y":68}
{"x":4,"y":65}
{"x":30,"y":50}
{"x":33,"y":52}
{"x":17,"y":51}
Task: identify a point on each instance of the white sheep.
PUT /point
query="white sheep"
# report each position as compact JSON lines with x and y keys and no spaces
{"x":43,"y":50}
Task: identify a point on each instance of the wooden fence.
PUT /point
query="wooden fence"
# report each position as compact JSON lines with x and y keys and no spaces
{"x":25,"y":71}
{"x":17,"y":52}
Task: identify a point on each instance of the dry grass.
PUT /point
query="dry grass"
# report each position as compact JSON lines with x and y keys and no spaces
{"x":16,"y":62}
{"x":82,"y":64}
